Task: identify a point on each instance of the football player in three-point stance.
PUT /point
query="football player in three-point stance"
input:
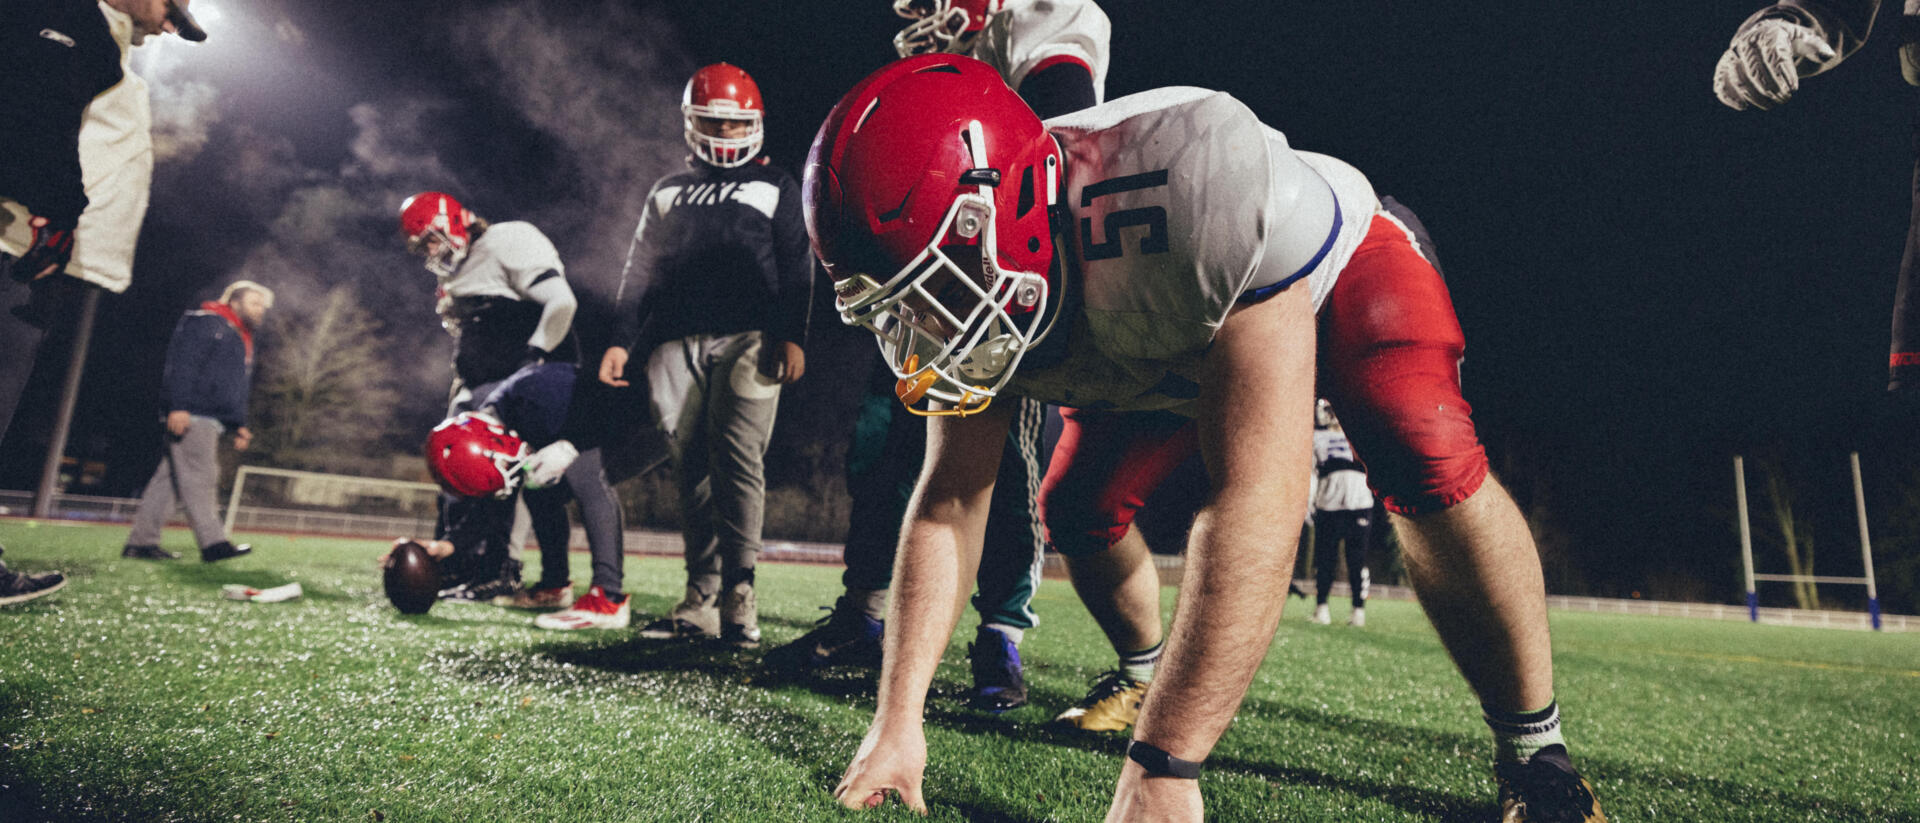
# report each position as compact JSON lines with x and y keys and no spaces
{"x":1054,"y":54}
{"x":716,"y":291}
{"x":504,"y":296}
{"x":1167,"y":251}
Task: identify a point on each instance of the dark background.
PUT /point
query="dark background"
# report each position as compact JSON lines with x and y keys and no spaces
{"x":1650,"y":282}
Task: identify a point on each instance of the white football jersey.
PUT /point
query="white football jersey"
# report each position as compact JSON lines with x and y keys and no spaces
{"x":503,"y":263}
{"x":1028,"y":33}
{"x":1341,"y":490}
{"x":1182,"y":201}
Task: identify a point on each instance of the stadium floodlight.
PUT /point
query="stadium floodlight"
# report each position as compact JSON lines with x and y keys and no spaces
{"x":1746,"y":547}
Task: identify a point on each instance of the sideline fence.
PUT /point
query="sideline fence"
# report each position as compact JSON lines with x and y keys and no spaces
{"x":667,"y":544}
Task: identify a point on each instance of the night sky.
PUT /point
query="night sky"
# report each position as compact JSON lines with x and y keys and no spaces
{"x":1649,"y":281}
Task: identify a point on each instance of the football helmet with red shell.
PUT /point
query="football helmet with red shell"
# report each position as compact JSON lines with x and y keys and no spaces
{"x":724,"y":92}
{"x":436,"y":228}
{"x":929,"y":194}
{"x":948,"y":26}
{"x":473,"y":455}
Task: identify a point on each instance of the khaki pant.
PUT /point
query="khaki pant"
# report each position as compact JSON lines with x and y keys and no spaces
{"x":188,"y":475}
{"x":716,"y":410}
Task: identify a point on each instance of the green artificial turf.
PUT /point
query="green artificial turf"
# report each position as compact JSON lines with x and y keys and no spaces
{"x":138,"y":694}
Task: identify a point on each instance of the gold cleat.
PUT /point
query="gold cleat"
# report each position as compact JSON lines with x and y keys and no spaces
{"x":1111,"y":706}
{"x":1546,"y":789}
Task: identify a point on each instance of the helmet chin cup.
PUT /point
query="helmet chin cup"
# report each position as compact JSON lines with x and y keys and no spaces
{"x":913,"y":388}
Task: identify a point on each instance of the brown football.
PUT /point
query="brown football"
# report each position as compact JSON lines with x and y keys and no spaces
{"x":412,"y":580}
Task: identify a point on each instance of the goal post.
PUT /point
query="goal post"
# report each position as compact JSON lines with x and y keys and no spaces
{"x":1746,"y":547}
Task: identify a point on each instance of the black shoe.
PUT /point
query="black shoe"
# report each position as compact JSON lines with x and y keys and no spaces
{"x":997,"y":681}
{"x":675,"y":628}
{"x":132,"y":552}
{"x":223,"y":550}
{"x":492,"y":592}
{"x":16,"y":587}
{"x":845,"y":637}
{"x":740,"y":636}
{"x":1546,"y":789}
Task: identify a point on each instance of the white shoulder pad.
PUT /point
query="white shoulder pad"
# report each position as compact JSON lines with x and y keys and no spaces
{"x":523,"y":252}
{"x":1169,"y":190}
{"x":1030,"y":32}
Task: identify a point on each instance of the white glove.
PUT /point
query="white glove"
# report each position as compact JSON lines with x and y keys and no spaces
{"x":1759,"y":68}
{"x":548,"y":466}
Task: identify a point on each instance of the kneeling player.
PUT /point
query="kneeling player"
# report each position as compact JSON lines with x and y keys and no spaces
{"x":525,"y":435}
{"x":1172,"y":254}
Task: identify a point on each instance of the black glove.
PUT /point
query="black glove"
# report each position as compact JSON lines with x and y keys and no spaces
{"x":533,"y":356}
{"x":52,"y":247}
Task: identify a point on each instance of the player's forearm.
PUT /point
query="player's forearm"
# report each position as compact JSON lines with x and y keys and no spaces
{"x":1256,"y":433}
{"x":926,"y":602}
{"x":1230,"y":598}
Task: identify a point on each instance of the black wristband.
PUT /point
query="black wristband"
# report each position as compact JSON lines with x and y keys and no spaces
{"x":1158,"y":762}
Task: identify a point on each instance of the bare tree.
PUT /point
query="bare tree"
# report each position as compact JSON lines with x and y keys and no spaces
{"x":326,"y":390}
{"x":1795,"y":538}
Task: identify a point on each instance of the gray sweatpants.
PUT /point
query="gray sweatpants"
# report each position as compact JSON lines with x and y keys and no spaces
{"x":717,"y":411}
{"x":188,"y":474}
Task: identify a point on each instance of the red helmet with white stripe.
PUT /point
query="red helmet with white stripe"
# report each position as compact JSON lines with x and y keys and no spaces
{"x":724,"y":116}
{"x":942,"y":25}
{"x":929,"y":195}
{"x":436,"y":228}
{"x":473,"y":455}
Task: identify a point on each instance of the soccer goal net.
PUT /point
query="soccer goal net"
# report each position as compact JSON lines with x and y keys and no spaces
{"x":285,"y":500}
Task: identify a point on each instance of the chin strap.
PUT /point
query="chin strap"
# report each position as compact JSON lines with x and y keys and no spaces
{"x":1160,"y":764}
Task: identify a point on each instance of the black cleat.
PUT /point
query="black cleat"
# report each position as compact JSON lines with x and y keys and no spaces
{"x":845,"y":637}
{"x":998,"y":684}
{"x":1546,"y":789}
{"x":675,"y":628}
{"x":18,"y":587}
{"x":222,"y":551}
{"x":147,"y":553}
{"x":500,"y":592}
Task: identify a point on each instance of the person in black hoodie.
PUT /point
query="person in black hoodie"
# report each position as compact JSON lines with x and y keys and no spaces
{"x":714,"y":297}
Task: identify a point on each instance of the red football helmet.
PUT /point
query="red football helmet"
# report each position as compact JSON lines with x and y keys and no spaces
{"x":473,"y":455}
{"x":929,"y":195}
{"x":942,"y":25}
{"x":436,"y":228}
{"x":723,"y":93}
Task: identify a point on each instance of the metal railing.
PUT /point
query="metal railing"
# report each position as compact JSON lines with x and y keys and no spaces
{"x":667,"y":544}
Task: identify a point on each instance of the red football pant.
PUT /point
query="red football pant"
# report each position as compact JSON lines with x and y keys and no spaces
{"x":1389,"y":348}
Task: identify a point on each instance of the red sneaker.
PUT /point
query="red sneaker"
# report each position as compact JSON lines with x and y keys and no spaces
{"x":592,"y":611}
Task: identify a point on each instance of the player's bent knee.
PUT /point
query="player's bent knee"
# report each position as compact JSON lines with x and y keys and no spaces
{"x":1436,"y":484}
{"x":1082,"y":541}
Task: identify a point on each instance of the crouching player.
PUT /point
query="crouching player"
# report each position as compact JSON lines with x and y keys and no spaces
{"x":1167,"y":252}
{"x":1054,"y":54}
{"x":525,"y":436}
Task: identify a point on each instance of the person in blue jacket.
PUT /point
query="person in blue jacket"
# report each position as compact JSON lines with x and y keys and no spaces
{"x":208,"y":375}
